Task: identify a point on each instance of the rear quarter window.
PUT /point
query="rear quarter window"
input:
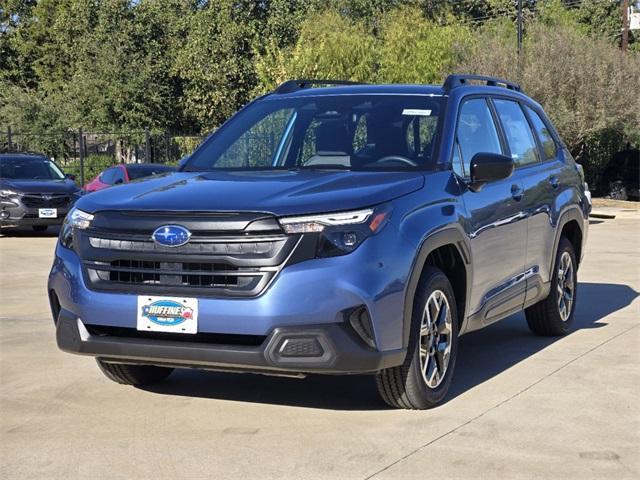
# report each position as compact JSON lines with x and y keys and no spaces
{"x":549,"y":148}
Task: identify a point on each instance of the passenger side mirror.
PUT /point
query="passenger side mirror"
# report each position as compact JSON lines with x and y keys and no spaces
{"x":488,"y":167}
{"x":70,"y":176}
{"x":118,"y":181}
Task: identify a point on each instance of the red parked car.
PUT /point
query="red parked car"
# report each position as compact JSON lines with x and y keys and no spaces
{"x":124,"y":174}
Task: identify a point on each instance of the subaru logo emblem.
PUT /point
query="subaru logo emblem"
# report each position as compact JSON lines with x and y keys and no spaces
{"x":171,"y":236}
{"x":47,"y":197}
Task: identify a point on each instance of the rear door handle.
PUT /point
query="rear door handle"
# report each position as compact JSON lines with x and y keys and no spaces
{"x":553,"y":180}
{"x":517,"y":192}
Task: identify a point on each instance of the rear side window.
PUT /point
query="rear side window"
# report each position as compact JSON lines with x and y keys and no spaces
{"x":548,"y":144}
{"x":519,"y":135}
{"x":420,"y":131}
{"x":476,"y":132}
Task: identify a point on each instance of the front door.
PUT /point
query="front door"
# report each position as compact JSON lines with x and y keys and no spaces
{"x":496,"y":224}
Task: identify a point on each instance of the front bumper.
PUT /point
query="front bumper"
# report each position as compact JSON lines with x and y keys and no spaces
{"x":18,"y":214}
{"x":307,"y":299}
{"x":322,"y":349}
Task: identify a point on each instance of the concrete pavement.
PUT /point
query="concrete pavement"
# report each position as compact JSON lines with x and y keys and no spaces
{"x":520,"y":406}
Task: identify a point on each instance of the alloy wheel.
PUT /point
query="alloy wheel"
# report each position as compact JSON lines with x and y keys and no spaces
{"x":435,"y":339}
{"x":565,"y":286}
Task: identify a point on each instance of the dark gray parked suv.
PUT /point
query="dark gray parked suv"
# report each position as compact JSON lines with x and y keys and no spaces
{"x":34,"y":191}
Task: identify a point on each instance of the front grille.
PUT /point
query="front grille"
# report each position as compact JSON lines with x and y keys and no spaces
{"x":118,"y":256}
{"x":176,"y":274}
{"x":45,"y":200}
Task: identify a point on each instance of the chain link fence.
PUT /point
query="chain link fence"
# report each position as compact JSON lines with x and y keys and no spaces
{"x":86,"y":153}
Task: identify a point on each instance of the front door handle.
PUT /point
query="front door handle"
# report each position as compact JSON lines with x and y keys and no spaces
{"x":553,"y":180}
{"x":517,"y":192}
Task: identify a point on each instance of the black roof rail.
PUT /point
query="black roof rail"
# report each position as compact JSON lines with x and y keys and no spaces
{"x":293,"y":85}
{"x":459,"y":80}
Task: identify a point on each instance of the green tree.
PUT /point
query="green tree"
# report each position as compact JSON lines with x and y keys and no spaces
{"x":329,"y":46}
{"x":216,"y":62}
{"x":413,"y":49}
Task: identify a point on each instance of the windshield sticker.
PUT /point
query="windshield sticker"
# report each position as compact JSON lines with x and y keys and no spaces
{"x":416,"y":111}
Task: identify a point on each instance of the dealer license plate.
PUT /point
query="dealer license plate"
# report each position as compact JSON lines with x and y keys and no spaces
{"x":167,"y":314}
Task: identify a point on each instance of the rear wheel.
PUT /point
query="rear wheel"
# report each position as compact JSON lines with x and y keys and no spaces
{"x":424,"y":378}
{"x":127,"y":374}
{"x":553,"y":315}
{"x":40,"y":228}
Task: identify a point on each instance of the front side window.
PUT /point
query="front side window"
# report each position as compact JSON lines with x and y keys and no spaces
{"x":519,"y":135}
{"x":359,"y":132}
{"x":476,"y":132}
{"x":547,"y":141}
{"x":30,"y":169}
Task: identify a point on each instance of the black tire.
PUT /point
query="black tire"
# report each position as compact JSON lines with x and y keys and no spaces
{"x":40,"y":228}
{"x":404,"y":386}
{"x":544,"y":318}
{"x":126,"y":374}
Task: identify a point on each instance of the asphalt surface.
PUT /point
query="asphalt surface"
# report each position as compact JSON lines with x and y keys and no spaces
{"x":520,"y":406}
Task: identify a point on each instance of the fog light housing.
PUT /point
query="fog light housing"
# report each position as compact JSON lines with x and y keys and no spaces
{"x":4,"y":214}
{"x":301,"y":347}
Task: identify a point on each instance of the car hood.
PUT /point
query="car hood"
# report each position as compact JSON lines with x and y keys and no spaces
{"x":40,"y":186}
{"x":277,"y":192}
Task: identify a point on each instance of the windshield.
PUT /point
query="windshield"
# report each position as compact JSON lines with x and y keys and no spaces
{"x":29,"y":169}
{"x":359,"y":132}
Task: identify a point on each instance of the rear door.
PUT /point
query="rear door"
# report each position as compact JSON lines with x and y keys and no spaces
{"x":495,"y":224}
{"x":543,"y":184}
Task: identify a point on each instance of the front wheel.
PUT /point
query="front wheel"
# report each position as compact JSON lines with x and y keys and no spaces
{"x":127,"y":374}
{"x":424,"y":378}
{"x":553,"y":315}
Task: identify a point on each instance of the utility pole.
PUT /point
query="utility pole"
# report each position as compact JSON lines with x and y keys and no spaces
{"x":625,"y":26}
{"x":520,"y":27}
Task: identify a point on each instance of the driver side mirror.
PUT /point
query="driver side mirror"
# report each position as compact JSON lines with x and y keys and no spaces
{"x":489,"y":167}
{"x":118,"y":181}
{"x":70,"y":176}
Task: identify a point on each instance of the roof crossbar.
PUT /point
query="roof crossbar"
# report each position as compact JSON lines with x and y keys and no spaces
{"x":293,"y":85}
{"x":460,"y":80}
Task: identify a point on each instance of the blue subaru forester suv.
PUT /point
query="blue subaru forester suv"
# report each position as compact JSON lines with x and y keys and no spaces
{"x":339,"y":230}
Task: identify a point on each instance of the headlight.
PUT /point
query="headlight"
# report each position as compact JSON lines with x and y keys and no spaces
{"x":75,"y":219}
{"x":339,"y":233}
{"x":317,"y":223}
{"x":79,"y":219}
{"x":7,"y":193}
